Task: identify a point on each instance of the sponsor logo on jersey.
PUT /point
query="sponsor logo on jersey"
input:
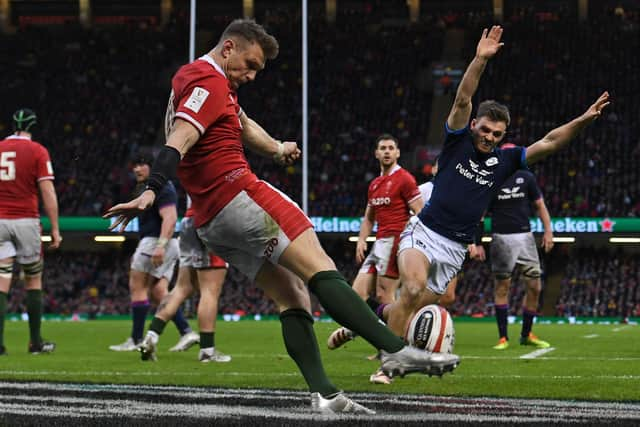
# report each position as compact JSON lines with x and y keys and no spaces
{"x":510,"y":193}
{"x":379,"y":201}
{"x":519,"y":180}
{"x":491,"y":161}
{"x":475,"y":174}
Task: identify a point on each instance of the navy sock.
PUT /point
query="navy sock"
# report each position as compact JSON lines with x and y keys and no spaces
{"x":502,"y":311}
{"x":181,"y":323}
{"x":139,"y":311}
{"x":527,"y":322}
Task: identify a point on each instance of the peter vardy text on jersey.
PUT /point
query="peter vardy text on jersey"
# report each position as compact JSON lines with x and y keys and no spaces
{"x":474,"y":176}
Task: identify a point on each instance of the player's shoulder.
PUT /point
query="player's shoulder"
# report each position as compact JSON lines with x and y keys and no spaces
{"x":200,"y":72}
{"x":406,"y":175}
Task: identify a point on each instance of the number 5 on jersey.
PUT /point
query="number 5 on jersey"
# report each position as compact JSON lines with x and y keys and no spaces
{"x":7,"y":166}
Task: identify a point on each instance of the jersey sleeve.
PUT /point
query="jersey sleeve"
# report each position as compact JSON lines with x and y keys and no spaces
{"x":534,"y":190}
{"x":168,"y":196}
{"x":44,"y":168}
{"x":202,"y":102}
{"x":453,"y":136}
{"x":515,"y":158}
{"x":409,"y":189}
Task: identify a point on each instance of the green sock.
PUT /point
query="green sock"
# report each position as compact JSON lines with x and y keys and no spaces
{"x":34,"y":310}
{"x":157,"y":325}
{"x":207,"y":339}
{"x":3,"y":311}
{"x":348,"y":309}
{"x":302,"y":346}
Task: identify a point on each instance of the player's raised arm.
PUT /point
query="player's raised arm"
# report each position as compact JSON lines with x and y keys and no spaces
{"x":488,"y":46}
{"x":559,"y":137}
{"x":259,"y":141}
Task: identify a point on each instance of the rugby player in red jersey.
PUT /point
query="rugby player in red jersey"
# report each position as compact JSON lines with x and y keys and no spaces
{"x":252,"y":225}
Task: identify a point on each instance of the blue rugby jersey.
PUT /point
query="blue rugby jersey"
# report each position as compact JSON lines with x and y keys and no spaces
{"x":511,"y":208}
{"x":150,"y":220}
{"x":466,"y":182}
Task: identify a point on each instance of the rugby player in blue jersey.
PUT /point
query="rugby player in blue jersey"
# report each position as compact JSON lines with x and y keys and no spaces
{"x":471,"y":170}
{"x":512,"y":245}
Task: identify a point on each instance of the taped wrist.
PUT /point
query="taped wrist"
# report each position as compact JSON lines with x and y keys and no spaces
{"x":164,"y":167}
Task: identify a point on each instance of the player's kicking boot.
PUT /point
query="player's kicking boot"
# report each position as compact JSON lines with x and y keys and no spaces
{"x":338,"y":404}
{"x":411,"y":359}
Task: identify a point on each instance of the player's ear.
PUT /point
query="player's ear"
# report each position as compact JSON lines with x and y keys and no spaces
{"x":227,"y":46}
{"x":473,"y":123}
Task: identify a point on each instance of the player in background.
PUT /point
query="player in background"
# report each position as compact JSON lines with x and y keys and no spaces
{"x":25,"y":171}
{"x":154,"y":261}
{"x":391,"y":198}
{"x":199,"y":270}
{"x":512,"y":245}
{"x":434,"y":243}
{"x":252,"y":225}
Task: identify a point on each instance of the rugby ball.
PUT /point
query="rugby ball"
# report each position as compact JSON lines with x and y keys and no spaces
{"x":432,"y":329}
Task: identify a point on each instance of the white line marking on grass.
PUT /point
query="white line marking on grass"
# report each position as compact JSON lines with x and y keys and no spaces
{"x":608,"y":359}
{"x":537,"y":353}
{"x":591,"y":336}
{"x":621,"y":328}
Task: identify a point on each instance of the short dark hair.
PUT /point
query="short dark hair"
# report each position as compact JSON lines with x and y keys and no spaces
{"x":252,"y":32}
{"x":384,"y":137}
{"x":494,"y":111}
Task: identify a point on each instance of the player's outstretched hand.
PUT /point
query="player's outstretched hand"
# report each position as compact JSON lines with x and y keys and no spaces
{"x":596,"y":109}
{"x":125,"y":212}
{"x":489,"y":43}
{"x":290,"y":153}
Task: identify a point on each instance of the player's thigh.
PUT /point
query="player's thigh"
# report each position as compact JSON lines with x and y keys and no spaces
{"x":364,"y":284}
{"x":285,"y":288}
{"x":504,"y":254}
{"x":25,"y":235}
{"x":414,"y":267}
{"x":528,"y":259}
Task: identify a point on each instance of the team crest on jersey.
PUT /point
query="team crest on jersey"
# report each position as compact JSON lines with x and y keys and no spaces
{"x":491,"y":161}
{"x":197,"y":98}
{"x":519,"y":180}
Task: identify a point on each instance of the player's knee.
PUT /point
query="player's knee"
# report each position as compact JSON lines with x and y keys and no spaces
{"x":411,"y":292}
{"x":33,"y":269}
{"x":6,"y":270}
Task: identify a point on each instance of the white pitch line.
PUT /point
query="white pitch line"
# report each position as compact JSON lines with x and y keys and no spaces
{"x":621,"y":328}
{"x":537,"y":353}
{"x":591,"y":336}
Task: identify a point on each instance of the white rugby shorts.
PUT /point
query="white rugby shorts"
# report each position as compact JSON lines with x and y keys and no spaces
{"x":20,"y":238}
{"x":256,"y":226}
{"x":445,"y":255}
{"x":141,"y":259}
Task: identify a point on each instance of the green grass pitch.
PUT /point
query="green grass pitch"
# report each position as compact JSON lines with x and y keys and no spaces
{"x":593,"y":362}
